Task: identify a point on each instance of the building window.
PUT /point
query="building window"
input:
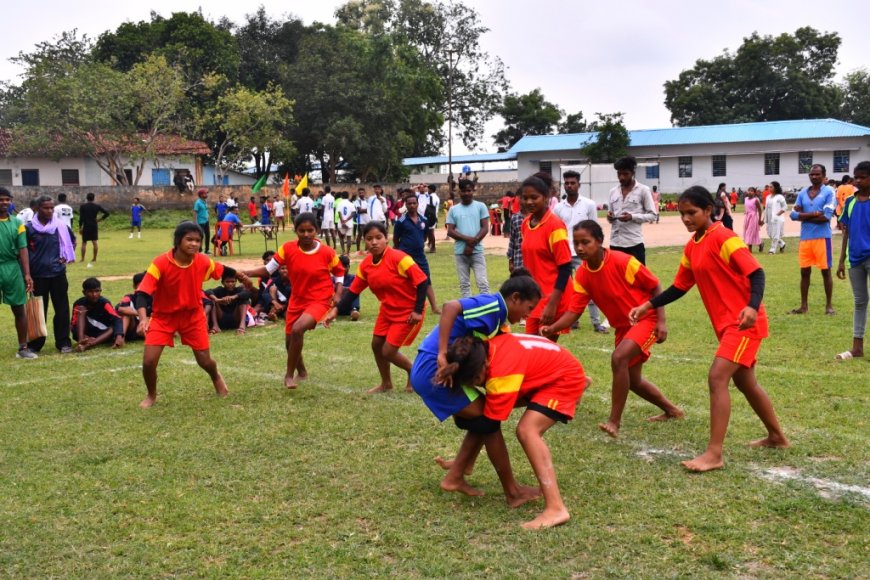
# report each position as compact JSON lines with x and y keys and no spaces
{"x":805,"y":161}
{"x":771,"y":163}
{"x":5,"y":177}
{"x":684,"y":167}
{"x":129,"y":174}
{"x":652,"y":171}
{"x":575,"y":162}
{"x":69,"y":177}
{"x":546,"y":167}
{"x":30,"y":177}
{"x":841,"y":162}
{"x":719,"y":166}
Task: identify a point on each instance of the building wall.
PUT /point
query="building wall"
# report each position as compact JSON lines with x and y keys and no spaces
{"x":90,"y":175}
{"x":488,"y":176}
{"x":209,"y":177}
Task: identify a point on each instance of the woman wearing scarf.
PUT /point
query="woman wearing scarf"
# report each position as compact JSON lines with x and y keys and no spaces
{"x":51,"y":245}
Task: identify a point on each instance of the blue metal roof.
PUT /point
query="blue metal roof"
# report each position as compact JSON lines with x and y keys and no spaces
{"x":735,"y":133}
{"x":442,"y":159}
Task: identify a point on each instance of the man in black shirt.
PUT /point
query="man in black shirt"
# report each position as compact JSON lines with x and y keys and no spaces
{"x":88,"y":219}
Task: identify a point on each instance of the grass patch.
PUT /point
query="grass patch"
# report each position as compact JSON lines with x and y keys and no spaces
{"x":328,"y":481}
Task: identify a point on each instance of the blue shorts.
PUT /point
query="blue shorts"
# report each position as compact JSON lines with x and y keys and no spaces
{"x":443,"y":402}
{"x":136,"y":223}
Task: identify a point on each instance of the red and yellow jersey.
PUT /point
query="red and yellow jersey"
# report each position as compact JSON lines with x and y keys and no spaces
{"x":720,"y":263}
{"x":393,"y":280}
{"x":520,"y":365}
{"x":311,"y":273}
{"x":619,"y":284}
{"x":545,"y":247}
{"x":173,"y":287}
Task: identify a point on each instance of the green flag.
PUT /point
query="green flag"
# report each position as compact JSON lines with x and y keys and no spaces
{"x":260,"y":183}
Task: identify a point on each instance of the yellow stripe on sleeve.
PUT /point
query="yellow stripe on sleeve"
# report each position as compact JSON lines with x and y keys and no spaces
{"x":730,"y":246}
{"x":404,"y":265}
{"x":684,"y":262}
{"x":359,"y":272}
{"x":631,"y":270}
{"x":579,"y":288}
{"x":154,"y":271}
{"x":557,"y":236}
{"x":506,"y":384}
{"x":21,"y":229}
{"x":210,"y":270}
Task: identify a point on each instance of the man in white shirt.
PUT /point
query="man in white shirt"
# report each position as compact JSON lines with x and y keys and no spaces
{"x":361,"y":205}
{"x":305,"y":203}
{"x":572,"y":210}
{"x":327,"y":226}
{"x":25,"y":216}
{"x":278,"y":211}
{"x":377,"y":206}
{"x":631,"y":206}
{"x":774,"y":214}
{"x":344,"y":227}
{"x":430,"y":212}
{"x":63,"y":211}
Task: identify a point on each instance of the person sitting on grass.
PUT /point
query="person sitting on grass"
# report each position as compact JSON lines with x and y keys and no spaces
{"x":230,"y":305}
{"x":126,"y":308}
{"x":279,"y":293}
{"x":484,"y":315}
{"x":516,"y":369}
{"x":353,"y":309}
{"x":731,"y":284}
{"x":260,"y":296}
{"x":400,"y":286}
{"x":94,"y":320}
{"x":173,"y":281}
{"x":617,"y":282}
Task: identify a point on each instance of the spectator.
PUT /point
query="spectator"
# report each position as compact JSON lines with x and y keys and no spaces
{"x":200,"y":217}
{"x":468,"y":224}
{"x":64,"y":212}
{"x":94,"y":320}
{"x":90,"y":215}
{"x":15,"y":281}
{"x":631,"y":205}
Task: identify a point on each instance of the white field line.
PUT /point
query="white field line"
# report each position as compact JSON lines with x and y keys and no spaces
{"x":826,"y":488}
{"x":77,"y":375}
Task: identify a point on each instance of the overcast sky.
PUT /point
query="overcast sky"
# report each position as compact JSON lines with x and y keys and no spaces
{"x":584,"y":56}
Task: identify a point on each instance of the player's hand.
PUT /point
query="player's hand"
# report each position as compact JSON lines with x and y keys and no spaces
{"x":548,"y":314}
{"x":28,"y":283}
{"x":624,"y":217}
{"x":747,"y":318}
{"x":330,"y":316}
{"x":142,"y":327}
{"x":841,"y":271}
{"x":661,"y":332}
{"x":442,"y":378}
{"x":414,"y":318}
{"x":545,"y":331}
{"x":638,"y":312}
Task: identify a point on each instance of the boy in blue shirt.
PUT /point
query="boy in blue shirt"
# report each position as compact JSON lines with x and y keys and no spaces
{"x":855,"y":222}
{"x":468,"y":223}
{"x":136,"y":211}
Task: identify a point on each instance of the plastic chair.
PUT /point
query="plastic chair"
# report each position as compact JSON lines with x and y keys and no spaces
{"x":223,"y":238}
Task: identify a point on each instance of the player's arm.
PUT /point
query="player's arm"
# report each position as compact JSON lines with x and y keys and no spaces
{"x":841,"y":265}
{"x":564,"y":321}
{"x":749,"y":314}
{"x":661,"y":325}
{"x":449,"y":313}
{"x":564,"y":274}
{"x":672,"y":294}
{"x":24,"y":261}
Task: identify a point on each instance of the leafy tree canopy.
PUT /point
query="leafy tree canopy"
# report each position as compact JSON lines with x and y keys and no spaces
{"x":612,"y":141}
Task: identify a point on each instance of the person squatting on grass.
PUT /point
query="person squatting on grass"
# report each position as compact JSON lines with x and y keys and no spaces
{"x":400,"y":286}
{"x":126,"y":308}
{"x":617,"y":282}
{"x":546,"y":254}
{"x":518,"y":369}
{"x":230,"y":305}
{"x":316,"y":276}
{"x":94,"y":319}
{"x":731,"y":284}
{"x":855,"y":223}
{"x":484,"y":316}
{"x":173,"y":282}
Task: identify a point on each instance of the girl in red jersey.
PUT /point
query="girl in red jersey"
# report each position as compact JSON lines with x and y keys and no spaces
{"x":316,"y":277}
{"x":400,"y":286}
{"x":616,"y":282}
{"x":522,"y":367}
{"x":731,"y":284}
{"x":173,"y":282}
{"x":546,"y":253}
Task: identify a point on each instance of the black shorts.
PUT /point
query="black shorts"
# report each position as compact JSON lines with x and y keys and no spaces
{"x":551,"y":413}
{"x":90,"y":234}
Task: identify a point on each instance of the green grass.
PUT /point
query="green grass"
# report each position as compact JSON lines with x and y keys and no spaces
{"x":327,"y":481}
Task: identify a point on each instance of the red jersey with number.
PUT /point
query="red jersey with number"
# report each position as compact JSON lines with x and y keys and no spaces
{"x":619,"y":284}
{"x":720,"y":263}
{"x":312,"y":273}
{"x":173,"y":287}
{"x":393,"y":280}
{"x":522,"y":364}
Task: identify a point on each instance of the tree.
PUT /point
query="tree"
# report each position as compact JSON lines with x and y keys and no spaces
{"x":856,"y":97}
{"x":575,"y":123}
{"x":529,"y":114}
{"x":767,"y":79}
{"x":612,"y":140}
{"x":266,"y":48}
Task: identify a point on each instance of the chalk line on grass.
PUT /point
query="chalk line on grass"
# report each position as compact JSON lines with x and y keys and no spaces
{"x":78,"y":375}
{"x":827,"y":488}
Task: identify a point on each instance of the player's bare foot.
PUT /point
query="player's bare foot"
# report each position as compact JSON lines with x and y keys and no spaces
{"x":548,"y":519}
{"x":290,"y":382}
{"x":408,"y":387}
{"x":380,"y":389}
{"x":798,"y":311}
{"x":148,"y":402}
{"x":523,"y":495}
{"x":220,"y":387}
{"x":303,"y":376}
{"x":214,"y":331}
{"x":460,"y":486}
{"x":446,"y":464}
{"x":771,"y":442}
{"x":668,"y":416}
{"x":830,"y":311}
{"x":610,"y":428}
{"x":705,"y":462}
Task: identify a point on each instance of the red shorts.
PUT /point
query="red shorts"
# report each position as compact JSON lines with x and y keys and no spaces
{"x":737,"y":347}
{"x":533,"y":322}
{"x":561,"y":396}
{"x":643,"y":334}
{"x":316,"y":310}
{"x":190,"y":324}
{"x":398,"y":334}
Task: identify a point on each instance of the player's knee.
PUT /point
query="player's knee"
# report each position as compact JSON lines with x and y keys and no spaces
{"x":478,"y":425}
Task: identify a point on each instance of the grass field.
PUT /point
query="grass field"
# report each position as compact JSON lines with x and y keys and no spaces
{"x":328,"y":481}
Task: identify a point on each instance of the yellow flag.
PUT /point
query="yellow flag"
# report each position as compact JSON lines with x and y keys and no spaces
{"x":303,"y":183}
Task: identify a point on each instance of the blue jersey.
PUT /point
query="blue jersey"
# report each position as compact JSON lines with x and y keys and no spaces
{"x":412,"y":236}
{"x":825,"y":202}
{"x":136,"y":212}
{"x":264,"y":211}
{"x":856,"y":218}
{"x":221,"y":210}
{"x":483,"y":316}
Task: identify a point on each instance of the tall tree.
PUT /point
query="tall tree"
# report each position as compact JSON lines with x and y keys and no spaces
{"x":612,"y":140}
{"x":266,"y":48}
{"x":856,"y":97}
{"x":575,"y":123}
{"x":529,"y":114}
{"x":767,"y":79}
